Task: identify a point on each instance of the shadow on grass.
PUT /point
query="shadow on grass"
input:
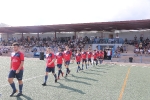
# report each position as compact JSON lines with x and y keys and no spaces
{"x":91,"y":73}
{"x":84,"y":78}
{"x":24,"y":97}
{"x":101,"y":68}
{"x":97,"y":71}
{"x":67,"y":87}
{"x":77,"y":81}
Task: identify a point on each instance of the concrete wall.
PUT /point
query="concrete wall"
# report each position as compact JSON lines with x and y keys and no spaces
{"x":105,"y":45}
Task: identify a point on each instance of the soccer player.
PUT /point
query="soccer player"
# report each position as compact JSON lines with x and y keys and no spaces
{"x":78,"y":59}
{"x":101,"y":56}
{"x":16,"y":69}
{"x":95,"y":58}
{"x":59,"y":57}
{"x":97,"y":51}
{"x":89,"y":53}
{"x":67,"y":58}
{"x":84,"y":58}
{"x":50,"y":57}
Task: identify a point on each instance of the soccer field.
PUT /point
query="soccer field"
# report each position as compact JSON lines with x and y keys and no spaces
{"x":103,"y":82}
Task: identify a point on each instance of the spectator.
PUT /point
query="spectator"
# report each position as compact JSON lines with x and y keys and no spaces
{"x":126,"y":41}
{"x":117,"y":38}
{"x":141,"y":37}
{"x":109,"y":54}
{"x":135,"y":38}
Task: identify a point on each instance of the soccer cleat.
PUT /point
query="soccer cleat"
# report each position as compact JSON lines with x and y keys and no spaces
{"x":66,"y":75}
{"x":55,"y":80}
{"x":13,"y":93}
{"x":69,"y":72}
{"x":62,"y":74}
{"x":19,"y":94}
{"x":44,"y":84}
{"x":79,"y":68}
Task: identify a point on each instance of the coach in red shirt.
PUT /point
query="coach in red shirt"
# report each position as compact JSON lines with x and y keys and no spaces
{"x":16,"y":69}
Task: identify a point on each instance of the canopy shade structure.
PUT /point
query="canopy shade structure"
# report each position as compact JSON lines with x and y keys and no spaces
{"x":95,"y":26}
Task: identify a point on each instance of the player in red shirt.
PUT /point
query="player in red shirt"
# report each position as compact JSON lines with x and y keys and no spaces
{"x":97,"y":51}
{"x":50,"y":57}
{"x":89,"y":54}
{"x":16,"y":69}
{"x":101,"y":56}
{"x":95,"y":58}
{"x":78,"y":59}
{"x":84,"y":58}
{"x":67,"y":58}
{"x":59,"y":58}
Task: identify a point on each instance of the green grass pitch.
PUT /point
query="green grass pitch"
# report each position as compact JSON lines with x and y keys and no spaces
{"x":103,"y":82}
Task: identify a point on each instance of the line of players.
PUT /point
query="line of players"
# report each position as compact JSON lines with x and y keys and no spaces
{"x":85,"y":57}
{"x":17,"y":64}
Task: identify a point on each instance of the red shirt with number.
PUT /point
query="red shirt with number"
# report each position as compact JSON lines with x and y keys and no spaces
{"x":59,"y":57}
{"x":16,"y":59}
{"x":78,"y":57}
{"x":49,"y":58}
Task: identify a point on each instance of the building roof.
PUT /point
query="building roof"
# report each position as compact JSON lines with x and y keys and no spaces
{"x":95,"y":26}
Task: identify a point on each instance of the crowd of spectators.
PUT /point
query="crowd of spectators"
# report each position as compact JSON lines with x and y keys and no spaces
{"x":30,"y":43}
{"x":141,"y":45}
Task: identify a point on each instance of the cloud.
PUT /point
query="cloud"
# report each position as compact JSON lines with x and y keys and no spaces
{"x":45,"y":12}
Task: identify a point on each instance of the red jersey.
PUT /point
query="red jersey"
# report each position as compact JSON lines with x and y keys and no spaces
{"x":67,"y":55}
{"x":16,"y":59}
{"x":101,"y":54}
{"x":49,"y":58}
{"x":89,"y":54}
{"x":59,"y":57}
{"x":84,"y":55}
{"x":78,"y":57}
{"x":95,"y":55}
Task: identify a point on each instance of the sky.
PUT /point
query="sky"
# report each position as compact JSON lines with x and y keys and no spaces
{"x":47,"y":12}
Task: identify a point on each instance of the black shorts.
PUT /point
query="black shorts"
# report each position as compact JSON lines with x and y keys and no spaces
{"x":100,"y":58}
{"x":95,"y":59}
{"x":50,"y":69}
{"x":67,"y":62}
{"x":13,"y":74}
{"x":84,"y":60}
{"x":59,"y":66}
{"x":89,"y":59}
{"x":78,"y":62}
